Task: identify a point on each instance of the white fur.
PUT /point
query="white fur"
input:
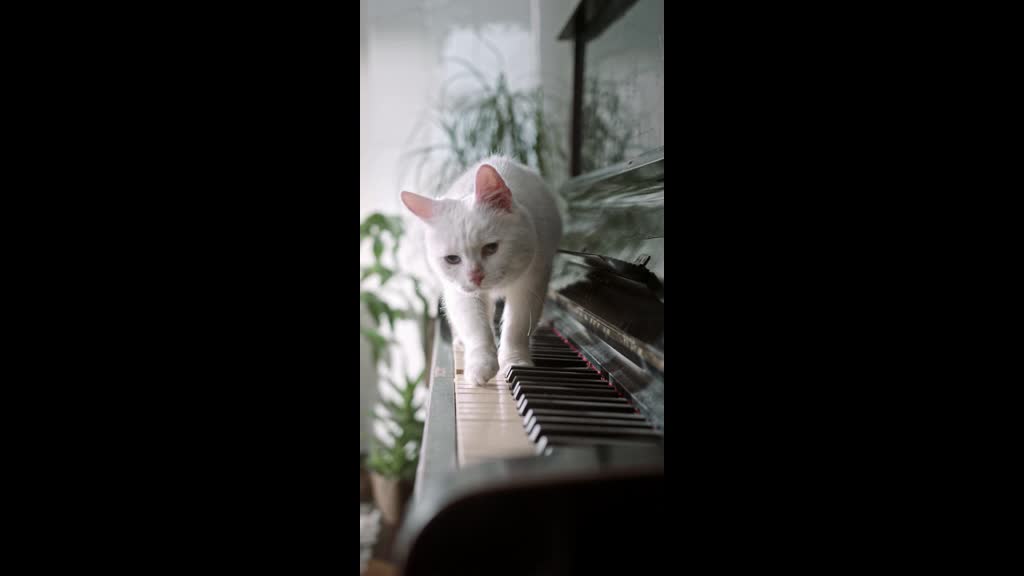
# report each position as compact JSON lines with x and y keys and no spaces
{"x":519,"y":271}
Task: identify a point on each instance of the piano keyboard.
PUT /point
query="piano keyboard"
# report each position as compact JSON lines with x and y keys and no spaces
{"x":487,"y":423}
{"x":560,"y":401}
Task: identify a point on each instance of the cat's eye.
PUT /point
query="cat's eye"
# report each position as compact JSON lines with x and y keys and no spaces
{"x":490,"y":248}
{"x":452,"y":259}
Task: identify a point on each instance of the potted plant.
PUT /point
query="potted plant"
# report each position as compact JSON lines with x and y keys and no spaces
{"x":393,"y":460}
{"x":391,"y":296}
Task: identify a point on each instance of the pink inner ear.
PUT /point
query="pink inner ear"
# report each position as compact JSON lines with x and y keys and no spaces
{"x":421,"y":206}
{"x":491,"y":189}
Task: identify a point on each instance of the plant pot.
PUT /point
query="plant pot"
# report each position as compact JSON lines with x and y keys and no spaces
{"x":365,"y":492}
{"x":390,"y":496}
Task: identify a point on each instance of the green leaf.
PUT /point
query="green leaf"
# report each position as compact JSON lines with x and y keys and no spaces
{"x":392,"y":407}
{"x":379,"y":309}
{"x":372,"y":225}
{"x":378,"y":344}
{"x":382,"y":272}
{"x":378,"y":249}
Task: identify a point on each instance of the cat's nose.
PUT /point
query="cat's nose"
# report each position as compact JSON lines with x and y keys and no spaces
{"x":477,"y":276}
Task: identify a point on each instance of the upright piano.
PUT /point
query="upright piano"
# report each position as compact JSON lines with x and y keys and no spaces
{"x":559,"y":468}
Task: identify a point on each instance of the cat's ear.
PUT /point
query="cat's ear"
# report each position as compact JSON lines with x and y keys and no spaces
{"x":421,"y":206}
{"x":491,"y":189}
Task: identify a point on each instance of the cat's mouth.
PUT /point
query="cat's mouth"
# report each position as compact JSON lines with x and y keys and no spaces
{"x":470,"y":288}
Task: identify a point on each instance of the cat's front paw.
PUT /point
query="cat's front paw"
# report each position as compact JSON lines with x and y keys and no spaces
{"x":518,"y":356}
{"x":481,"y":366}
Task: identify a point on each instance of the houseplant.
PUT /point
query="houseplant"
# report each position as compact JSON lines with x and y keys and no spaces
{"x":493,"y":118}
{"x":391,"y":296}
{"x":392,"y":461}
{"x":388,"y":293}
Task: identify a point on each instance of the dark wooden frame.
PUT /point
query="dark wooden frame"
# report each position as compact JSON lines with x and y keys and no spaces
{"x":588,"y":21}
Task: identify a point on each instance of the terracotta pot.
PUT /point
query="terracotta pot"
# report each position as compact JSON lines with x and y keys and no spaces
{"x":390,"y":496}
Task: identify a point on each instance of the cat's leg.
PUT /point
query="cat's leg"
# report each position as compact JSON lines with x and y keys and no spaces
{"x":469,"y":316}
{"x":524,"y":304}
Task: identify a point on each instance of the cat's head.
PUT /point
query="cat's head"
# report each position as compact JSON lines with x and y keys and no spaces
{"x":483,"y":242}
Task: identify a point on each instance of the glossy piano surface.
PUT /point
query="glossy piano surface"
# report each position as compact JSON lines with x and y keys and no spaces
{"x":611,"y":269}
{"x":563,"y":516}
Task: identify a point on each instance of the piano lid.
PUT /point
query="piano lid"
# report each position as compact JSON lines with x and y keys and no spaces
{"x":610,"y":270}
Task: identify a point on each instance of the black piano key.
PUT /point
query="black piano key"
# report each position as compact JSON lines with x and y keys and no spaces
{"x":580,"y":405}
{"x":586,"y":421}
{"x":560,"y":346}
{"x":589,"y":377}
{"x":547,"y":358}
{"x":573,"y":383}
{"x":526,"y":368}
{"x":521,"y":369}
{"x":574,"y":373}
{"x":601,"y":399}
{"x":562,"y":383}
{"x":545,"y":442}
{"x":579,"y":394}
{"x":557,"y":375}
{"x":559,"y":363}
{"x":533,"y":425}
{"x":524,"y":400}
{"x":594,"y":431}
{"x":579,"y":378}
{"x":578,"y":391}
{"x":586,"y":394}
{"x":570,"y":387}
{"x":530,"y":372}
{"x":555,"y":355}
{"x":542,"y":412}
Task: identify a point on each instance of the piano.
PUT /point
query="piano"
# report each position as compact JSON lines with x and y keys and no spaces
{"x":558,"y":468}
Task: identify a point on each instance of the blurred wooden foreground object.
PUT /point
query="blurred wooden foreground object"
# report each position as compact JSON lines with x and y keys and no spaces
{"x":380,"y":568}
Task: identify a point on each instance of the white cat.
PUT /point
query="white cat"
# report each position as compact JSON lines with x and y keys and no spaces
{"x":492,"y":235}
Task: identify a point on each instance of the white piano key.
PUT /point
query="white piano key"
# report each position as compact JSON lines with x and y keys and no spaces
{"x":487,"y":424}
